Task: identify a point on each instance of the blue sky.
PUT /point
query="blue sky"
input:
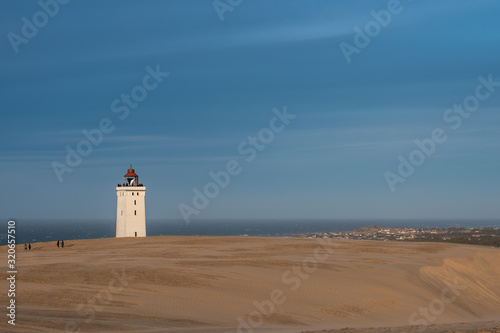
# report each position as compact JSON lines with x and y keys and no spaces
{"x":352,"y":120}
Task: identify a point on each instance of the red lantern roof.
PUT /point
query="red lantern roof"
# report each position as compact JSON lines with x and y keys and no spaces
{"x":131,"y":172}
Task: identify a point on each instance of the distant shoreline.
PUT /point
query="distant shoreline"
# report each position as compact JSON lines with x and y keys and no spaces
{"x":72,"y":229}
{"x":488,"y":236}
{"x":468,"y":236}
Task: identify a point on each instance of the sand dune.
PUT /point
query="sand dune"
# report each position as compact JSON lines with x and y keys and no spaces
{"x":231,"y":284}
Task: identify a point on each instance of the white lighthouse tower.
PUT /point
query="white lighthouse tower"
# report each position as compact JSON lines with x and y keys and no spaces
{"x":130,"y":207}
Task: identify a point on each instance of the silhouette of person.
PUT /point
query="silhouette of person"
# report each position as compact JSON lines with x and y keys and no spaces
{"x":25,"y":246}
{"x":57,"y":243}
{"x":29,"y":246}
{"x":62,"y":243}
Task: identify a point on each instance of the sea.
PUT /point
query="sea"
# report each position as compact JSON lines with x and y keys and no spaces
{"x":32,"y":230}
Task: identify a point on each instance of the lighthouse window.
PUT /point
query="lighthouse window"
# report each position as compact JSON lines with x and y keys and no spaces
{"x":135,"y":203}
{"x":135,"y":212}
{"x":137,"y":193}
{"x":132,"y":193}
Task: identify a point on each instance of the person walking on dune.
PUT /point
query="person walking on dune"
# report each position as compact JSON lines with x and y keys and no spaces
{"x":58,"y":243}
{"x":62,"y":243}
{"x":29,"y":246}
{"x":25,"y":246}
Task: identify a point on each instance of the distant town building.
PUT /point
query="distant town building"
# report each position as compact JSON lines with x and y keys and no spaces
{"x":130,"y":206}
